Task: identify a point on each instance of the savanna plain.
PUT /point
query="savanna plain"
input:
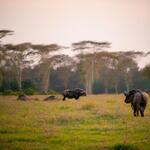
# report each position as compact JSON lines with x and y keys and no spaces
{"x":96,"y":122}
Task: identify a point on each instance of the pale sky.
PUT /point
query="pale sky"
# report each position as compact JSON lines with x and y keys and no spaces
{"x":124,"y":23}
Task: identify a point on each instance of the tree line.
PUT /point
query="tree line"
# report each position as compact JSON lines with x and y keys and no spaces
{"x":39,"y":68}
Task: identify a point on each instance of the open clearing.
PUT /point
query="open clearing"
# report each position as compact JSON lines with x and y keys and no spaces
{"x":92,"y":123}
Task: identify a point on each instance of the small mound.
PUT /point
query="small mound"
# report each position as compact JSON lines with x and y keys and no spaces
{"x":23,"y":97}
{"x":51,"y":97}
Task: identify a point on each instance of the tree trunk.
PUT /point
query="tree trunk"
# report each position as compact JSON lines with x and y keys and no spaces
{"x":92,"y":76}
{"x":20,"y":79}
{"x":92,"y":71}
{"x":106,"y":90}
{"x":116,"y":88}
{"x":86,"y":87}
{"x":1,"y":78}
{"x":106,"y":87}
{"x":127,"y":87}
{"x":88,"y":84}
{"x":127,"y":84}
{"x":45,"y":81}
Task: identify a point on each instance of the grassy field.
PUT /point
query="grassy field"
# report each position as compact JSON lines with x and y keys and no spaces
{"x":101,"y":122}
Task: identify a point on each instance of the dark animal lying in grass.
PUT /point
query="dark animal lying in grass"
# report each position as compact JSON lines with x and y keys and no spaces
{"x":138,"y":100}
{"x":51,"y":97}
{"x":74,"y":93}
{"x":23,"y":97}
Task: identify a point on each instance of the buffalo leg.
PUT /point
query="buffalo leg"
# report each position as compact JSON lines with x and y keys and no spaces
{"x":64,"y":98}
{"x":137,"y":109}
{"x":135,"y":113}
{"x":142,"y":111}
{"x":77,"y":97}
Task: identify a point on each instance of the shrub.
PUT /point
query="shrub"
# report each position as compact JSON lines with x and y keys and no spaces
{"x":29,"y":91}
{"x":52,"y":92}
{"x":27,"y":84}
{"x":10,"y":92}
{"x":124,"y":147}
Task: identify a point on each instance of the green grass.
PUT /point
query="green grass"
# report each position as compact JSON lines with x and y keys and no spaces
{"x":101,"y":122}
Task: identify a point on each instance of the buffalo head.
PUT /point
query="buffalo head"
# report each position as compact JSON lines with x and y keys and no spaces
{"x":129,"y":96}
{"x":81,"y":92}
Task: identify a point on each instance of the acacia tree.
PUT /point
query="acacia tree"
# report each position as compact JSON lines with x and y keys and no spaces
{"x":146,"y":71}
{"x":47,"y":61}
{"x":91,"y":47}
{"x":116,"y":67}
{"x":115,"y":76}
{"x":64,"y":65}
{"x":2,"y":65}
{"x":18,"y":54}
{"x":84,"y":68}
{"x":4,"y":33}
{"x":106,"y":64}
{"x":127,"y":66}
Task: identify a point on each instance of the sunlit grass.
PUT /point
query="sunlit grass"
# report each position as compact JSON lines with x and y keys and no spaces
{"x":90,"y":123}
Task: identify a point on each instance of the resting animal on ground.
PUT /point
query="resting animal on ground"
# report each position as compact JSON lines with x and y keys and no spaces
{"x":138,"y":100}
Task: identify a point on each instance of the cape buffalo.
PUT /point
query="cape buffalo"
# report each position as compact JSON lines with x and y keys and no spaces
{"x":138,"y":100}
{"x":73,"y":93}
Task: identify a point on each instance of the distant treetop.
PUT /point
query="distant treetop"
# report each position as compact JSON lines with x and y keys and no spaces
{"x":90,"y":44}
{"x":4,"y":33}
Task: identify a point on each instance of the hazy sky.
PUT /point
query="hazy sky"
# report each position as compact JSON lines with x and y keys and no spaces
{"x":124,"y":23}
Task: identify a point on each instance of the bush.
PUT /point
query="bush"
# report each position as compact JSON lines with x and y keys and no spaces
{"x":10,"y":92}
{"x":14,"y":85}
{"x":27,"y":84}
{"x":29,"y":91}
{"x":52,"y":92}
{"x":9,"y":85}
{"x":124,"y":147}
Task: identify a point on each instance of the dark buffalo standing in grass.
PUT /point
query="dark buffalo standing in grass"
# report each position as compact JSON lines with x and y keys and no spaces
{"x":73,"y":93}
{"x":138,"y":100}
